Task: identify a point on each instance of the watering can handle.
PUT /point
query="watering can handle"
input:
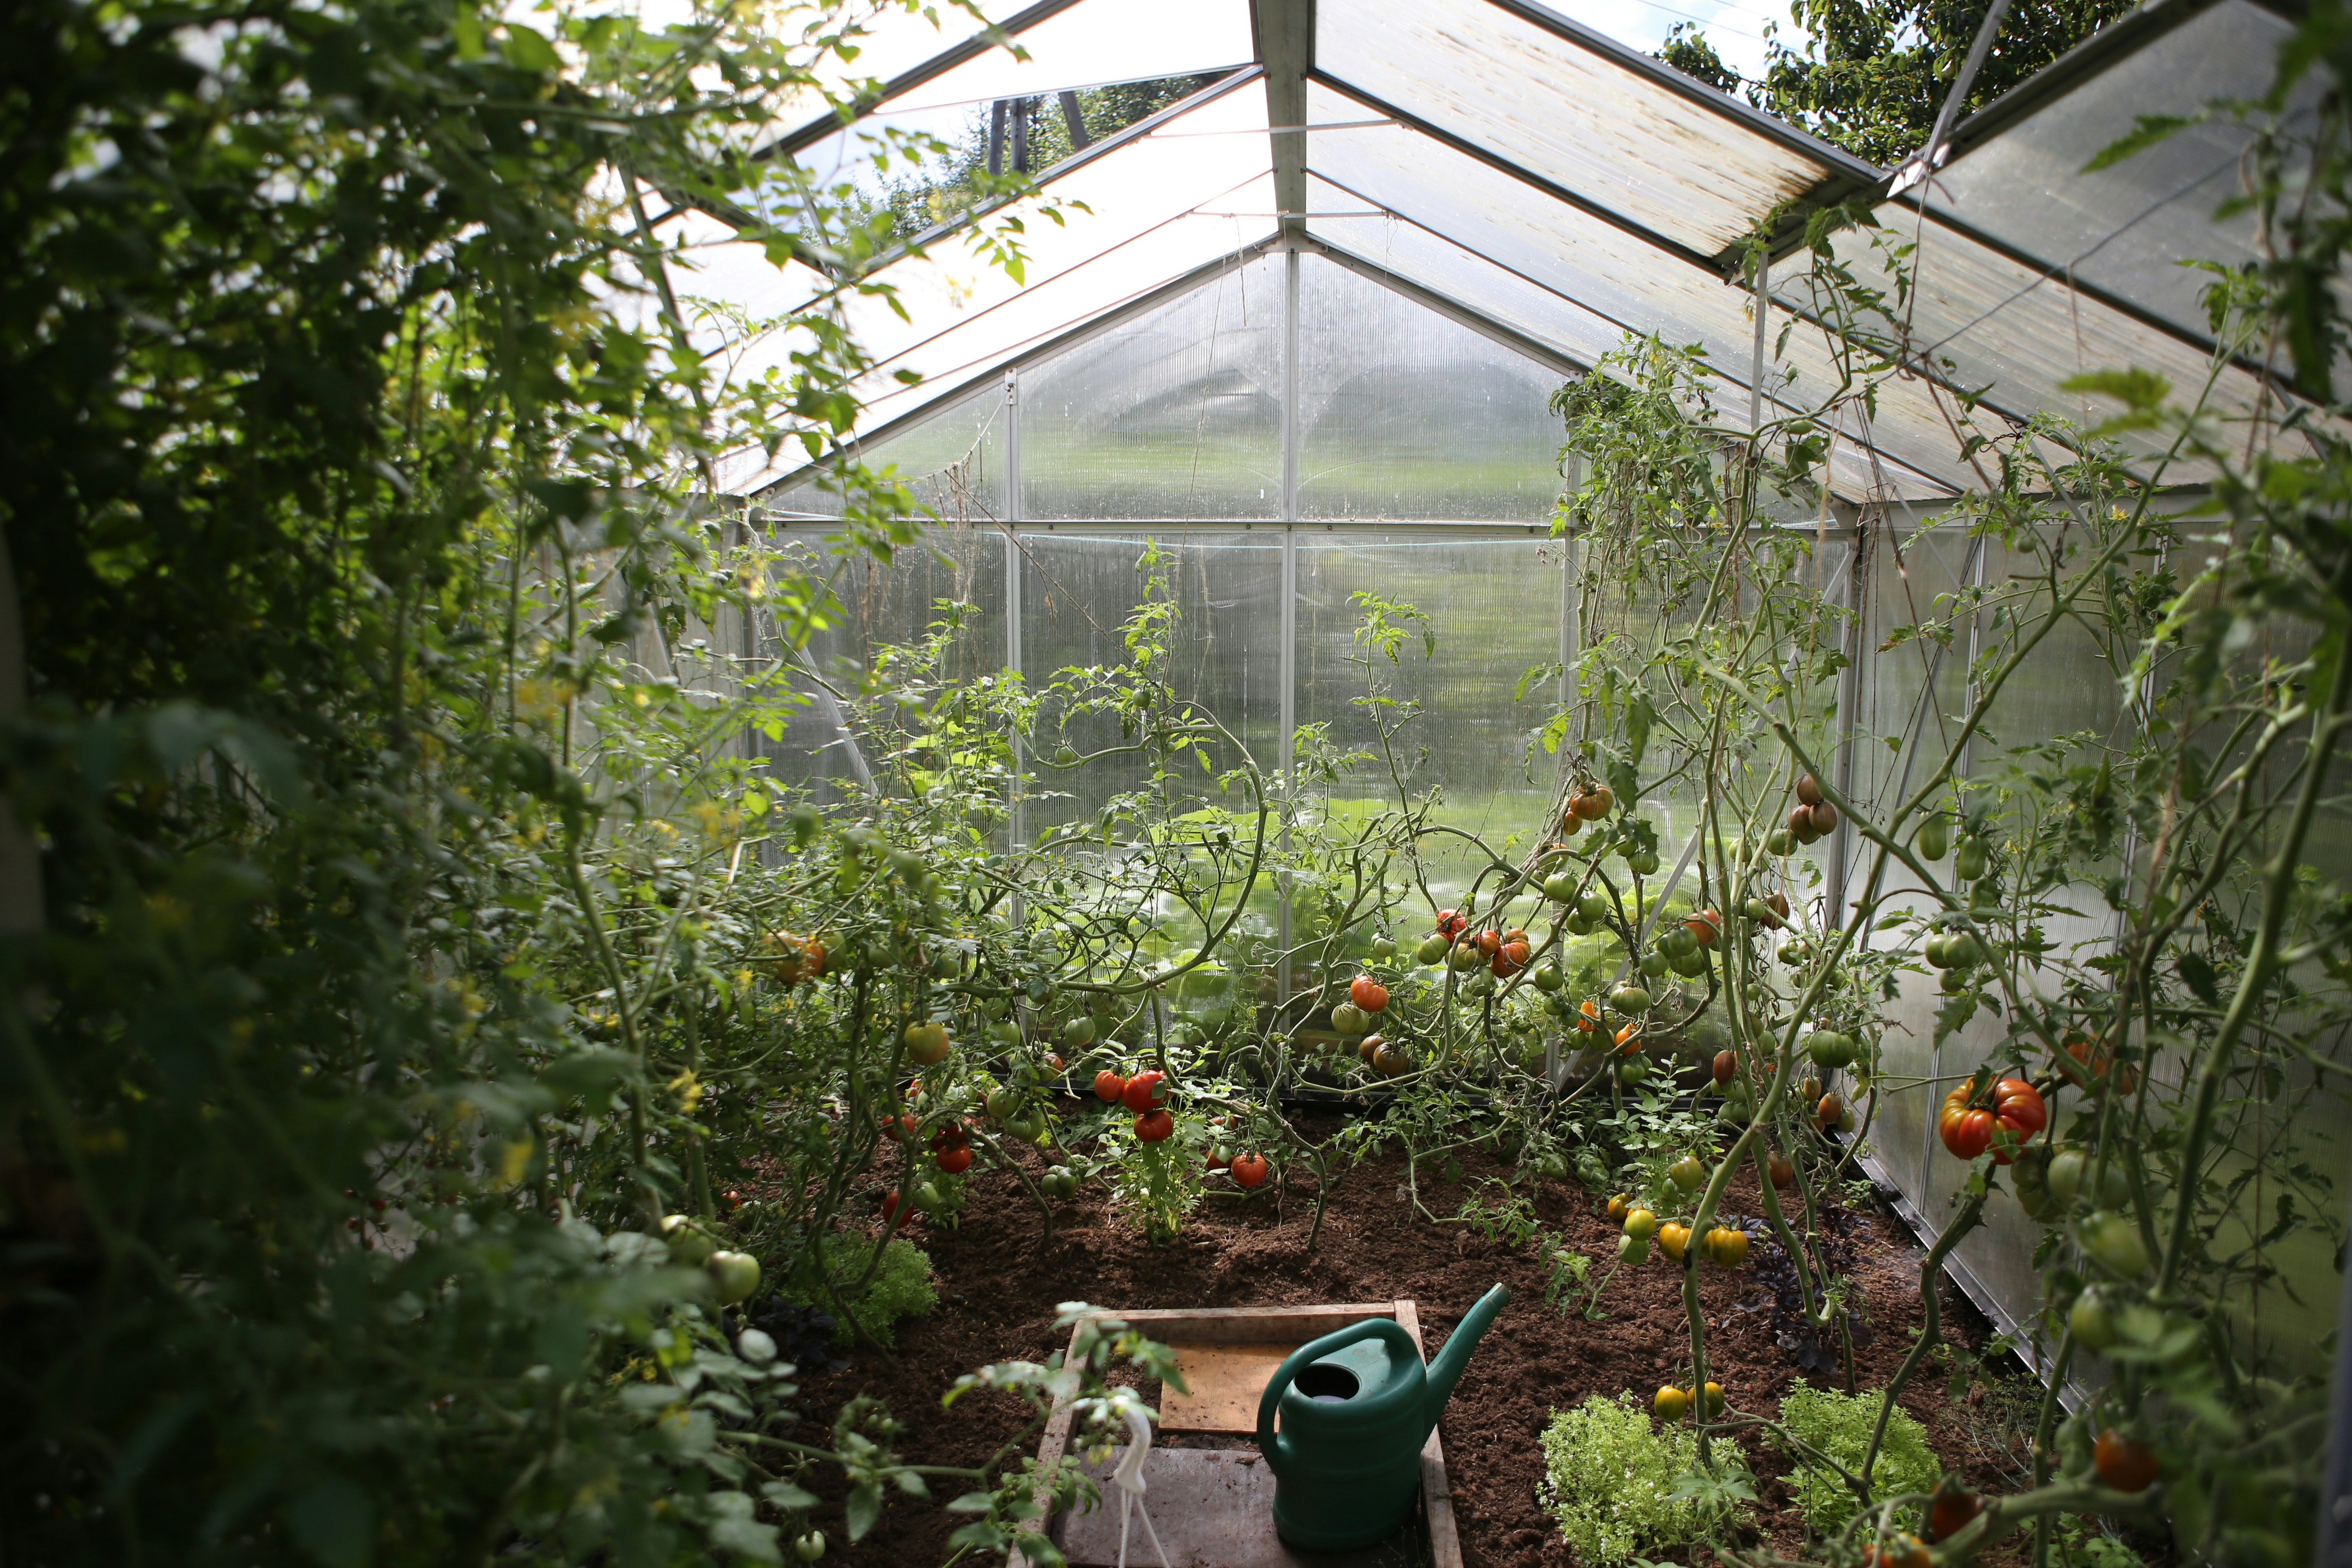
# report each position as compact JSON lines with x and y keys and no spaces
{"x":1274,"y":1444}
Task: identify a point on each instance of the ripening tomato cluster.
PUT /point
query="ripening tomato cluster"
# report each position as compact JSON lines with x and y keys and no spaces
{"x":2016,"y":1114}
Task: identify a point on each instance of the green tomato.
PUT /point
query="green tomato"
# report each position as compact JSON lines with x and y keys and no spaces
{"x":690,"y":1246}
{"x":1383,"y":948}
{"x":1934,"y":839}
{"x":1628,"y":1001}
{"x":2113,"y":1241}
{"x":2092,"y":1320}
{"x":1578,"y":926}
{"x":1645,"y":864}
{"x":1003,"y":1104}
{"x":1633,"y":1250}
{"x":1078,"y":1033}
{"x":1632,"y":1071}
{"x":737,"y":1275}
{"x":1350,"y":1019}
{"x":1654,"y":964}
{"x":1594,"y":908}
{"x":1433,"y":950}
{"x":1677,"y":940}
{"x":1560,"y":889}
{"x":2067,"y":1169}
{"x":1829,"y":1049}
{"x":1547,"y":978}
{"x":1065,"y":756}
{"x":1780,"y":841}
{"x":1687,"y":1173}
{"x":810,"y":1547}
{"x":1971,"y":860}
{"x":1690,"y":965}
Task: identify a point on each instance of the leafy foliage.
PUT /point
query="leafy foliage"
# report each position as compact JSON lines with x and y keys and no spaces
{"x":1838,"y":1427}
{"x":1872,"y":75}
{"x":1611,"y":1481}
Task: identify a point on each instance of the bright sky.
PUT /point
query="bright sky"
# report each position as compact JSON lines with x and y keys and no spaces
{"x":1736,"y":29}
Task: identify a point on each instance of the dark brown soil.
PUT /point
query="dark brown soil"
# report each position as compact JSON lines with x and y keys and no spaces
{"x":1000,"y":1285}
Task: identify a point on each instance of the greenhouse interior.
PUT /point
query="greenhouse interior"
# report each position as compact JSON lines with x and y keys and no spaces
{"x":846,"y":781}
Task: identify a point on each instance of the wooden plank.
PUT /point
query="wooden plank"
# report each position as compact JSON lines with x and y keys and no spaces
{"x":1223,"y":1383}
{"x":1436,"y":1496}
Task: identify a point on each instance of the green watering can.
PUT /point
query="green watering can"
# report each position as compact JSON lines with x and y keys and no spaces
{"x":1357,"y":1405}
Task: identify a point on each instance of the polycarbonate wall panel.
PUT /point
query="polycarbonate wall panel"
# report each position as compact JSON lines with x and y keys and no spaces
{"x":1495,"y":605}
{"x":953,"y":461}
{"x":1566,"y":112}
{"x":1404,"y":414}
{"x":2125,"y":228}
{"x":1176,"y":414}
{"x":888,"y":605}
{"x":1078,"y":590}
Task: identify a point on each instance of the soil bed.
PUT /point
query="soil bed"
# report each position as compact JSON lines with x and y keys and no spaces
{"x":1000,"y":1286}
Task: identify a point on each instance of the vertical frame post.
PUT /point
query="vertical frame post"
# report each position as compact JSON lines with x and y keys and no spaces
{"x":1017,"y":824}
{"x":1289,"y":705}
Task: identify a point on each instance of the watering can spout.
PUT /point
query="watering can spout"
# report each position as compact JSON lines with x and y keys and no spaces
{"x":1446,"y":1370}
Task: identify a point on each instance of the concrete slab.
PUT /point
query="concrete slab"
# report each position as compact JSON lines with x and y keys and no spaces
{"x":1213,"y":1508}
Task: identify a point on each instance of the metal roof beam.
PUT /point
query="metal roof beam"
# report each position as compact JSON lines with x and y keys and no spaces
{"x":1285,"y":30}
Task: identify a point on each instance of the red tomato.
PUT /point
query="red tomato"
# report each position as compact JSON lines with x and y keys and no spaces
{"x":1594,"y":802}
{"x":1509,"y":959}
{"x":1588,"y":1018}
{"x":1726,"y":1066}
{"x":955,"y":1162}
{"x":1053,"y":1060}
{"x":2019,"y":1105}
{"x":904,"y":1126}
{"x":1249,"y":1170}
{"x":950,"y":1138}
{"x":1490,"y":943}
{"x":1706,"y":925}
{"x":1514,"y":935}
{"x":1828,"y":1110}
{"x":1110,"y":1088}
{"x":1450,"y":924}
{"x":1948,"y":1512}
{"x":2086,"y":1066}
{"x":1368,"y":994}
{"x":1144,"y":1090}
{"x":2126,"y":1465}
{"x":1218,"y":1160}
{"x":1966,"y":1133}
{"x":1153,"y":1126}
{"x":893,"y":1216}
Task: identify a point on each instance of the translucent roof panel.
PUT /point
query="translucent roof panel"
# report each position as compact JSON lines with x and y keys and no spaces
{"x":1497,"y":295}
{"x":1157,"y":207}
{"x":891,"y":41}
{"x":1612,"y":273}
{"x":1177,"y":413}
{"x":1095,"y":42}
{"x":1607,"y":130}
{"x":2127,"y":228}
{"x":1404,"y":414}
{"x":2021,"y":332}
{"x":1090,"y":44}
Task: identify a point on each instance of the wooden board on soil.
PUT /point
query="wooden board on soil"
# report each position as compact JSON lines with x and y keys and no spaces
{"x":1222,"y":1384}
{"x":1216,"y":1509}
